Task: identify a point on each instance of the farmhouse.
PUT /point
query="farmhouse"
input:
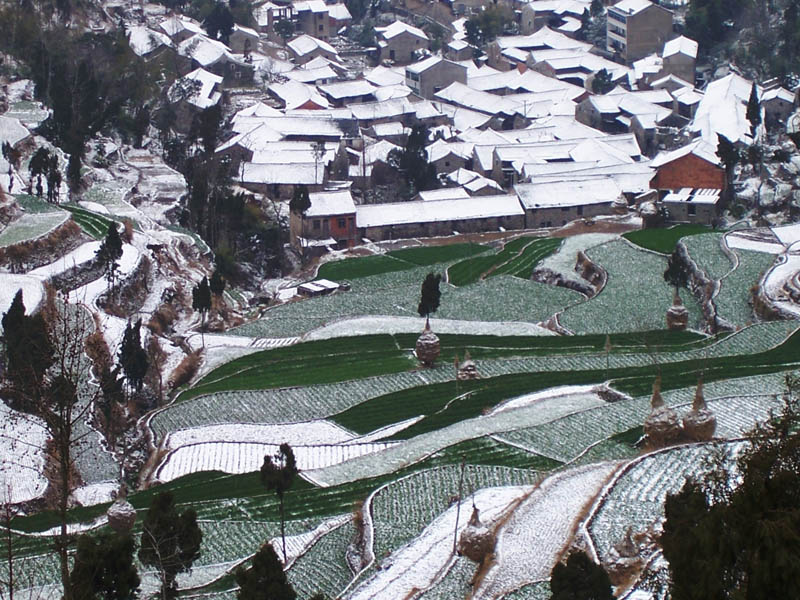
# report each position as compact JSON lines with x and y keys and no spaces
{"x":399,"y":41}
{"x":428,"y":76}
{"x":695,"y":165}
{"x":193,"y":93}
{"x":553,"y":204}
{"x":693,"y":205}
{"x":331,"y":218}
{"x":439,"y":217}
{"x":312,"y":18}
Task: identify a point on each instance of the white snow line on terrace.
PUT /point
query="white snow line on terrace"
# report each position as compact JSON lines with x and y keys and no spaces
{"x":417,"y":565}
{"x":81,"y":255}
{"x":387,"y":431}
{"x":367,"y":325}
{"x":536,"y":533}
{"x":307,"y":433}
{"x":535,"y":397}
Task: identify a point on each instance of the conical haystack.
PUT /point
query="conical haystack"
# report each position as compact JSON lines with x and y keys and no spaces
{"x":427,"y":348}
{"x":677,"y":314}
{"x":700,"y":423}
{"x":476,"y":541}
{"x":121,"y":515}
{"x":662,"y":425}
{"x":467,"y":369}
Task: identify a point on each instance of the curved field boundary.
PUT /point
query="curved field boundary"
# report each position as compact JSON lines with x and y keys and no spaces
{"x":523,"y":264}
{"x":92,"y":223}
{"x":471,"y":270}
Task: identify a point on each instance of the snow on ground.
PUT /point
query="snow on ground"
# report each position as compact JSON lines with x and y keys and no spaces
{"x":236,"y":457}
{"x":743,"y":242}
{"x":422,"y":562}
{"x":22,"y":439}
{"x":308,"y":433}
{"x":775,"y":279}
{"x":32,"y":291}
{"x":94,"y":207}
{"x":411,"y":451}
{"x":531,"y":541}
{"x":95,"y":493}
{"x":82,"y":254}
{"x":384,"y":324}
{"x":557,"y":392}
{"x":563,"y":260}
{"x":787,"y":234}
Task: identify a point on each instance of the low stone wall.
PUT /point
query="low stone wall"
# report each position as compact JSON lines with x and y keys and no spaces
{"x":703,"y":288}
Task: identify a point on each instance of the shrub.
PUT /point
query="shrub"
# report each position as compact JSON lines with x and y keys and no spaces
{"x":186,"y":370}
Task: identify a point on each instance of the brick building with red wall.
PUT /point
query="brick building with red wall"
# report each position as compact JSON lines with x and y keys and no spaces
{"x":693,"y":166}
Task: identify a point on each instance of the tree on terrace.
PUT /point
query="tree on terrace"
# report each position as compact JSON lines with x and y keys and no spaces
{"x":753,"y":112}
{"x":284,"y":28}
{"x":219,"y":23}
{"x":265,"y":579}
{"x":580,"y":579}
{"x":741,"y":540}
{"x":201,"y":302}
{"x":277,"y":474}
{"x":430,"y":295}
{"x":412,"y":162}
{"x":104,"y":568}
{"x":170,"y":541}
{"x":109,"y":252}
{"x":132,"y":356}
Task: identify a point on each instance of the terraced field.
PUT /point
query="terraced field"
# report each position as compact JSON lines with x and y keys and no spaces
{"x":536,"y":411}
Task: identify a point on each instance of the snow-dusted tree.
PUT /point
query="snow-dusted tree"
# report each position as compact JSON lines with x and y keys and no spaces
{"x":201,"y":302}
{"x":753,"y":112}
{"x":109,"y":252}
{"x":265,"y":579}
{"x":104,"y":568}
{"x":580,"y":578}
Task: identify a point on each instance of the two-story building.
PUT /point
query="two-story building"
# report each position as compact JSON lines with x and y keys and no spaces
{"x":313,"y":18}
{"x":433,"y":74}
{"x":331,"y":219}
{"x":636,"y":28}
{"x":399,"y":41}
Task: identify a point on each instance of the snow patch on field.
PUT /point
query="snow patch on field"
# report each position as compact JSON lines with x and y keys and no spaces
{"x":531,"y":541}
{"x":745,"y":243}
{"x":246,"y":457}
{"x":22,"y":440}
{"x":557,"y":392}
{"x":82,"y":254}
{"x":307,"y":433}
{"x":297,"y":545}
{"x":95,"y":493}
{"x":420,"y":564}
{"x":392,"y":325}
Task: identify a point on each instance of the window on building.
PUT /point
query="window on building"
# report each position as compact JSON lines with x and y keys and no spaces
{"x":320,"y":26}
{"x":316,"y":225}
{"x":692,"y":210}
{"x":340,"y":223}
{"x":565,"y":209}
{"x":580,"y":211}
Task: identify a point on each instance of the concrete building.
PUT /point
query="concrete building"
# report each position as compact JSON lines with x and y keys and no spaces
{"x":637,"y":28}
{"x":312,"y":18}
{"x":243,"y":40}
{"x":399,"y":41}
{"x":433,"y":74}
{"x":305,"y":48}
{"x":679,"y":58}
{"x":693,"y":206}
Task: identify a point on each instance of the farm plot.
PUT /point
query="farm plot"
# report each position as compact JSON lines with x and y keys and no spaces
{"x":111,"y":195}
{"x":635,"y":298}
{"x":31,"y":226}
{"x":33,"y":575}
{"x":563,"y":260}
{"x":277,"y":406}
{"x":228,"y":541}
{"x":417,"y":565}
{"x":431,"y":255}
{"x":324,"y":567}
{"x":417,"y":448}
{"x":472,"y":269}
{"x":545,"y":521}
{"x":246,"y":457}
{"x":534,"y":591}
{"x":664,"y":240}
{"x":706,"y":250}
{"x":455,"y":584}
{"x":733,"y":299}
{"x":363,"y":266}
{"x":637,"y":496}
{"x":523,"y":264}
{"x":95,"y":224}
{"x":401,"y":510}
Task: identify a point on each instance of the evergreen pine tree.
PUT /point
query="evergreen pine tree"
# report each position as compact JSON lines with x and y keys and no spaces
{"x":29,"y":349}
{"x":109,"y":252}
{"x":219,"y":23}
{"x":170,"y":541}
{"x":103,"y":568}
{"x":753,"y":112}
{"x":201,"y":301}
{"x":430,"y":295}
{"x":132,"y":356}
{"x":265,"y":579}
{"x":277,"y":474}
{"x":580,"y":579}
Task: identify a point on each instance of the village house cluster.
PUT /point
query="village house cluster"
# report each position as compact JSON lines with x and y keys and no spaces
{"x":520,"y":139}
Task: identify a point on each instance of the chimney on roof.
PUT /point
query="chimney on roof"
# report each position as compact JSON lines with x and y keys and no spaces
{"x":522,"y":67}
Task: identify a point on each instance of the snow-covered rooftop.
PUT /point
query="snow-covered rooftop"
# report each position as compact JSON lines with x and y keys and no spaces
{"x":305,"y":44}
{"x":12,"y":131}
{"x":632,"y":7}
{"x":205,"y":88}
{"x":331,"y":203}
{"x":399,"y":27}
{"x":566,"y":193}
{"x":295,"y":94}
{"x":347,"y":89}
{"x":398,"y":213}
{"x":143,"y":40}
{"x":680,"y":45}
{"x":277,"y":173}
{"x":453,"y":193}
{"x":699,"y":148}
